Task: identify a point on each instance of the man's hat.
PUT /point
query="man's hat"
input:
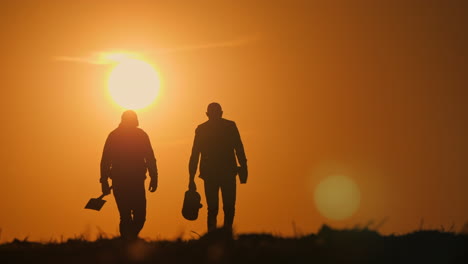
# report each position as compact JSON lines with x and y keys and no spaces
{"x":129,"y":118}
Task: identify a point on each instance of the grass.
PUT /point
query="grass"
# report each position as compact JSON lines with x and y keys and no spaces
{"x":357,"y":245}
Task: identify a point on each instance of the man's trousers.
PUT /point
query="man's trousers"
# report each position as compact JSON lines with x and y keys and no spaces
{"x":228,"y":194}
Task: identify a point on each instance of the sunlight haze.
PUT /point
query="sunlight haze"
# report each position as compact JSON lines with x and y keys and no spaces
{"x":375,"y":92}
{"x":133,"y":84}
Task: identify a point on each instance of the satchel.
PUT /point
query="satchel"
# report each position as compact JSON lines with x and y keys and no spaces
{"x":191,"y":205}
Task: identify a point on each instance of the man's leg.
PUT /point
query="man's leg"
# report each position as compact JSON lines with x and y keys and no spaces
{"x":138,"y":207}
{"x":121,"y":199}
{"x":228,"y":192}
{"x":212,"y":199}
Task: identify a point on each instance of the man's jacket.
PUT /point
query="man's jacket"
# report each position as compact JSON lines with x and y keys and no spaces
{"x":127,"y":155}
{"x":218,"y":143}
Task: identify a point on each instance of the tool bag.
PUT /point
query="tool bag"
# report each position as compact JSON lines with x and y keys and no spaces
{"x":191,"y":205}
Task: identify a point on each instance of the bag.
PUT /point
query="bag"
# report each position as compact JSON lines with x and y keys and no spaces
{"x":191,"y":205}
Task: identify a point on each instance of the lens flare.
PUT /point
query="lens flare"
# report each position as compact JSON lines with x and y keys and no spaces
{"x":337,"y":197}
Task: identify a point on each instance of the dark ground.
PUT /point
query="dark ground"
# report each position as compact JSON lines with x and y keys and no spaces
{"x":328,"y":246}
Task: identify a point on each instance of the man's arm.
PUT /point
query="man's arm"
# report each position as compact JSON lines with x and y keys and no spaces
{"x":194,"y":158}
{"x":240,"y":153}
{"x":150,"y":163}
{"x":150,"y":159}
{"x":106,"y":164}
{"x":239,"y":147}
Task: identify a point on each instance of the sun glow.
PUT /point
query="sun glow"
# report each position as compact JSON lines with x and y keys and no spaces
{"x":133,"y":83}
{"x":337,"y":197}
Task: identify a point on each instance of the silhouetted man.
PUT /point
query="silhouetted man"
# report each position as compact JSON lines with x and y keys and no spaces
{"x":218,"y":143}
{"x":126,"y":157}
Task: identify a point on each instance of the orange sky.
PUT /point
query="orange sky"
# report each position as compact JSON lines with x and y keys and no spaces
{"x":374,"y":92}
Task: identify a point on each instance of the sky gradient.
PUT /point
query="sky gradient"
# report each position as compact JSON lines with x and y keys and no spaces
{"x":373,"y":91}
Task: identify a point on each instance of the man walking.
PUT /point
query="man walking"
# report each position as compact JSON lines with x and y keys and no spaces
{"x":126,"y":157}
{"x":218,"y":143}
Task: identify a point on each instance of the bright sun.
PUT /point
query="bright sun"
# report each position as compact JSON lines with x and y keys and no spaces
{"x":337,"y":197}
{"x":133,"y":83}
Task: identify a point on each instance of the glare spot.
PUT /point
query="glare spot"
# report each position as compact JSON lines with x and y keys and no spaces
{"x":337,"y":197}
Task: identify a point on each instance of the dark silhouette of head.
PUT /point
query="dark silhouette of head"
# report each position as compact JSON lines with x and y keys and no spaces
{"x":214,"y":111}
{"x":129,"y":119}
